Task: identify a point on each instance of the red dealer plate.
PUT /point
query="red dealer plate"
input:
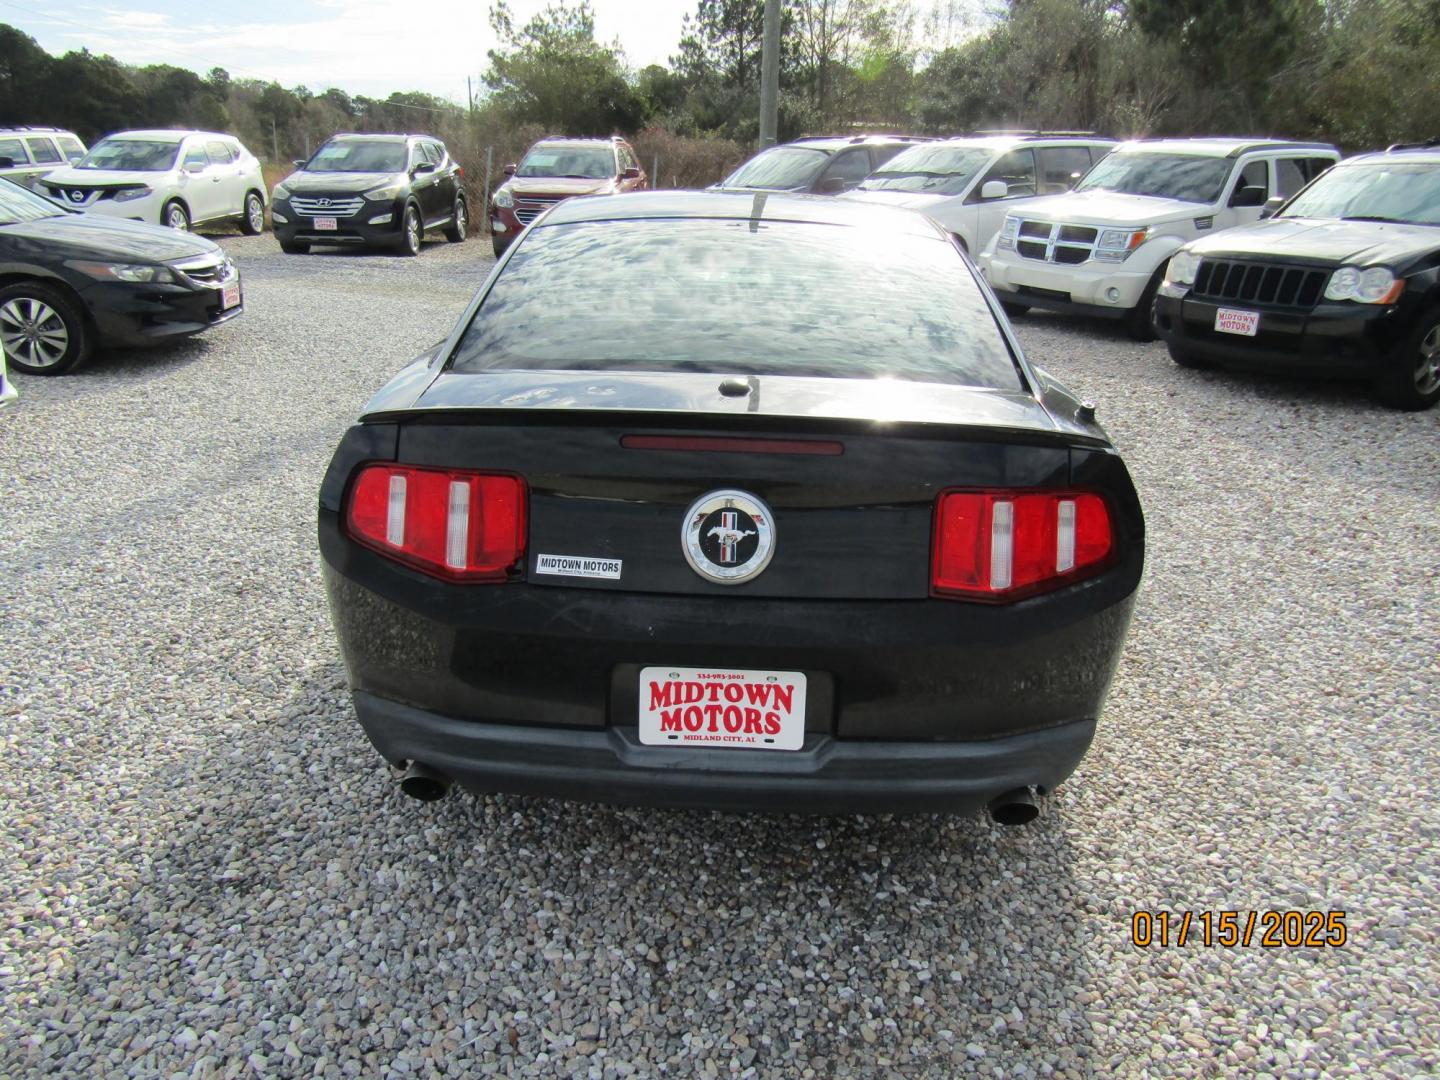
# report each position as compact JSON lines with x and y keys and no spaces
{"x":1234,"y":321}
{"x":737,"y":710}
{"x":230,"y":296}
{"x":327,"y":224}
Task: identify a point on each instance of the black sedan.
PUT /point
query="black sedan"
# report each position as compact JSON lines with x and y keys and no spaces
{"x":1344,"y":281}
{"x":71,"y":281}
{"x":686,"y":511}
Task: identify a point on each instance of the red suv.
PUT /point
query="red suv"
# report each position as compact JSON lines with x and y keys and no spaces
{"x":555,"y":169}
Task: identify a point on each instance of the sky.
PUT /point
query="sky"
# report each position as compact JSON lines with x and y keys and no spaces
{"x":361,"y":46}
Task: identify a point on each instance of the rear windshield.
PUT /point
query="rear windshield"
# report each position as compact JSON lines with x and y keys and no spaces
{"x":937,"y":170}
{"x":137,"y":155}
{"x":778,"y":168}
{"x":1187,"y":177}
{"x":726,"y":296}
{"x":359,"y":156}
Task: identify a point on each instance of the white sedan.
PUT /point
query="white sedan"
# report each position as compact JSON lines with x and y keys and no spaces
{"x":175,"y":178}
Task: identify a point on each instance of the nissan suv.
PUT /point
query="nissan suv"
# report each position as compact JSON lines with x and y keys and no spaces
{"x":28,"y":153}
{"x":371,"y":190}
{"x":1102,"y":248}
{"x":818,"y":164}
{"x":967,"y":185}
{"x":1344,"y":280}
{"x":556,"y":169}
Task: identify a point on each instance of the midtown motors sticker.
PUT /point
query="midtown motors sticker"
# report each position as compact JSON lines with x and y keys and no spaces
{"x":736,"y":709}
{"x":579,"y":566}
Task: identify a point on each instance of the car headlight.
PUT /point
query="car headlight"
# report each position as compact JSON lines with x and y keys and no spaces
{"x":1008,"y":232}
{"x":1115,"y":245}
{"x":389,"y":191}
{"x":1374,"y":285}
{"x":280,"y":192}
{"x":154,"y":275}
{"x":503,"y":199}
{"x":1182,"y":269}
{"x":127,"y":194}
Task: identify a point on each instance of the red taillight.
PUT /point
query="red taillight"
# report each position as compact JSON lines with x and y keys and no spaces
{"x":1000,"y":545}
{"x":452,"y":523}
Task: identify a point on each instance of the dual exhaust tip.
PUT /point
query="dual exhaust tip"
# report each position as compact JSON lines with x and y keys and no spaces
{"x":1017,"y":806}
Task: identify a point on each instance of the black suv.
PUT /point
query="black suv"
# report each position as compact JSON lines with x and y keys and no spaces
{"x":1343,"y":280}
{"x":818,"y":164}
{"x":377,"y":190}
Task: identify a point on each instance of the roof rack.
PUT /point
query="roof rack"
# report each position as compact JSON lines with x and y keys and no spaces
{"x":861,"y":138}
{"x":1424,"y":144}
{"x":28,"y":127}
{"x":1036,"y":133}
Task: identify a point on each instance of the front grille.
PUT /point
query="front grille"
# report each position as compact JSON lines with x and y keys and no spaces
{"x":1048,"y":242}
{"x":529,"y":207}
{"x":322,"y":206}
{"x":1265,"y":284}
{"x":207,"y":270}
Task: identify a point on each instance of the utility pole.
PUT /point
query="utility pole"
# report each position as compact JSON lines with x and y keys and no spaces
{"x":770,"y":75}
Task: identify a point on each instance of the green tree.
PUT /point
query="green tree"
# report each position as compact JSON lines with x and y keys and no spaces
{"x":23,"y":67}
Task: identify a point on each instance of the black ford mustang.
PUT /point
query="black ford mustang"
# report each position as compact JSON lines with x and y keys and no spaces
{"x":734,"y":501}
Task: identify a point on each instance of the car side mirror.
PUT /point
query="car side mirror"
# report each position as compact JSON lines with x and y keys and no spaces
{"x":1254,"y":195}
{"x":509,"y":170}
{"x":194,"y":167}
{"x":7,"y":163}
{"x":1271,"y":205}
{"x":832,"y":185}
{"x":423,"y":167}
{"x":632,"y":173}
{"x":299,"y":163}
{"x":994,"y":189}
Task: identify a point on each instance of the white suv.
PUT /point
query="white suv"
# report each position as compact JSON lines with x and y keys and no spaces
{"x":968,"y":185}
{"x":175,"y":178}
{"x":1102,"y":249}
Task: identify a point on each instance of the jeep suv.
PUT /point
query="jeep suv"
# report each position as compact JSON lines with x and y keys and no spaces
{"x":967,"y":185}
{"x":1344,"y":280}
{"x":376,"y":190}
{"x":556,"y":169}
{"x":1102,"y":248}
{"x":28,"y":153}
{"x":818,"y":164}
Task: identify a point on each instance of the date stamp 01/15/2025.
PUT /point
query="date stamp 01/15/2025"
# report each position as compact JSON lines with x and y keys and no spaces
{"x":1283,"y":929}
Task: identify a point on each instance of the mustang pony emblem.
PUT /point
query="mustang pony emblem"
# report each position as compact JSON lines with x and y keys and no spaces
{"x":730,"y":534}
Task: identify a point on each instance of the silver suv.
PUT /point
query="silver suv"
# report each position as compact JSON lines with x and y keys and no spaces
{"x":28,"y":153}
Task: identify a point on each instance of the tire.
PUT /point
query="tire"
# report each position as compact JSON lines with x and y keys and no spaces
{"x":1014,"y":310}
{"x":497,"y":246}
{"x":252,"y":221}
{"x":175,"y":216}
{"x":412,"y":228}
{"x":295,"y":247}
{"x":1411,"y":381}
{"x":1140,"y":320}
{"x":44,"y":331}
{"x":1185,"y":358}
{"x":459,"y":226}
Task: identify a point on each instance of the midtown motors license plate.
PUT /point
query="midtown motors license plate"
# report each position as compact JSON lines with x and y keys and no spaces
{"x":742,"y":710}
{"x":327,"y":224}
{"x":1233,"y":321}
{"x":230,"y":296}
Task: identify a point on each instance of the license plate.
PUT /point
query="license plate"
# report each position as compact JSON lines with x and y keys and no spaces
{"x":328,"y":224}
{"x":1233,"y":321}
{"x":230,"y":296}
{"x":727,"y":708}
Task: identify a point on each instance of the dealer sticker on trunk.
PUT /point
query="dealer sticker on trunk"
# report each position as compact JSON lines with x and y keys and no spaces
{"x":579,"y":566}
{"x":1234,"y":321}
{"x":734,"y":709}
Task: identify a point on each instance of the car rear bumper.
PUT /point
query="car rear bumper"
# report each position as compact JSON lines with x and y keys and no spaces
{"x":825,"y":776}
{"x":1334,"y":340}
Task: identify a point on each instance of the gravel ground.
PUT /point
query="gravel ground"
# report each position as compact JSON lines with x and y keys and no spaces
{"x":208,"y":872}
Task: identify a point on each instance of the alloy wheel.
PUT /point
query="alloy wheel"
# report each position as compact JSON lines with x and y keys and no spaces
{"x":256,"y":213}
{"x":1427,"y":369}
{"x":176,"y":218}
{"x":412,"y":229}
{"x":33,"y":332}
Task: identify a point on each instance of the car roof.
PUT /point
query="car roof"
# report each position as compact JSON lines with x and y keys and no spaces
{"x":754,"y":207}
{"x":837,"y":142}
{"x":379,"y":136}
{"x":1217,"y":146}
{"x":166,"y":134}
{"x":1005,"y":142}
{"x":32,"y":129}
{"x":1419,"y":153}
{"x":563,"y":141}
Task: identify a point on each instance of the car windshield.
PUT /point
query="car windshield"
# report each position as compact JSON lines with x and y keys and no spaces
{"x":937,"y":170}
{"x":778,"y":168}
{"x":359,"y":156}
{"x":1187,"y":177}
{"x":131,"y":155}
{"x":1404,"y":192}
{"x":739,"y":297}
{"x":575,"y":162}
{"x":22,"y":204}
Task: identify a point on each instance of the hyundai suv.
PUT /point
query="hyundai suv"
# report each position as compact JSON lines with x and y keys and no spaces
{"x":556,"y":169}
{"x":371,"y":190}
{"x":1102,"y":249}
{"x":1344,"y":280}
{"x":28,"y":153}
{"x":967,"y":185}
{"x":175,"y":178}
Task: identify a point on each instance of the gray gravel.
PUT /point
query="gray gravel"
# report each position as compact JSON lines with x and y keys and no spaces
{"x":208,"y":873}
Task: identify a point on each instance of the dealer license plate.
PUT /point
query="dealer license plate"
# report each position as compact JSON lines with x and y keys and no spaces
{"x":328,"y":224}
{"x":230,"y":296}
{"x":738,"y":710}
{"x":1234,"y":321}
